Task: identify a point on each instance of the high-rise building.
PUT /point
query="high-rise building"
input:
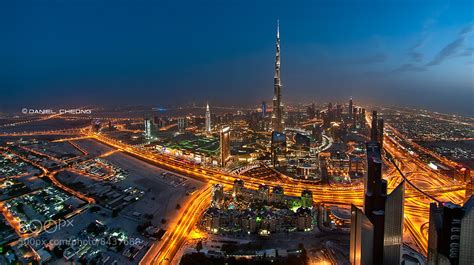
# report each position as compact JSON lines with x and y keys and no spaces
{"x":350,"y":108}
{"x":217,"y":195}
{"x":466,"y":251}
{"x":361,"y":239}
{"x":375,"y":196}
{"x":208,"y":119}
{"x":238,"y":187}
{"x":373,"y":130}
{"x":362,"y":118}
{"x":393,"y":227}
{"x":147,"y":130}
{"x":224,"y":145}
{"x":451,"y":233}
{"x":182,"y":124}
{"x":264,"y":109}
{"x":384,"y":213}
{"x":278,"y":124}
{"x":278,"y":146}
{"x":380,"y":125}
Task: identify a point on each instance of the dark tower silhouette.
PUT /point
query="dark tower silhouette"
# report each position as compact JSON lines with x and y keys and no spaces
{"x":380,"y":124}
{"x":375,"y":197}
{"x":350,"y":108}
{"x":373,"y":129}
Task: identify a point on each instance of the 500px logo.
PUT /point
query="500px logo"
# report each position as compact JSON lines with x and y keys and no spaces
{"x":49,"y":226}
{"x":60,"y":111}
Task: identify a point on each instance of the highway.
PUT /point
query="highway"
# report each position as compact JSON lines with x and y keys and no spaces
{"x":164,"y":251}
{"x":432,"y":183}
{"x":416,"y":204}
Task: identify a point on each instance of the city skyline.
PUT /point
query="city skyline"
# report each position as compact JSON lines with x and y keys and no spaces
{"x":150,"y":132}
{"x":138,"y":54}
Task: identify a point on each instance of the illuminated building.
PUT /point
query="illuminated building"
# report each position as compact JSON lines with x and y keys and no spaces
{"x":307,"y":168}
{"x":393,"y":226}
{"x":278,"y":123}
{"x":224,"y":145}
{"x":208,"y":119}
{"x":277,"y":194}
{"x":380,"y":125}
{"x":466,"y":252}
{"x":303,"y":219}
{"x":373,"y":130}
{"x":95,"y":125}
{"x":211,"y":220}
{"x":306,"y":199}
{"x":317,"y":133}
{"x":375,"y":196}
{"x":264,"y":109}
{"x":362,"y":235}
{"x":248,"y":222}
{"x":338,"y":112}
{"x":147,"y":131}
{"x":362,"y":119}
{"x":350,"y":108}
{"x":238,"y":187}
{"x":355,"y":119}
{"x":263,"y":193}
{"x":311,"y":111}
{"x":182,"y":124}
{"x":278,"y":146}
{"x":451,"y":233}
{"x":111,"y":127}
{"x":323,"y":162}
{"x":217,"y":195}
{"x":302,"y":141}
{"x":385,"y":214}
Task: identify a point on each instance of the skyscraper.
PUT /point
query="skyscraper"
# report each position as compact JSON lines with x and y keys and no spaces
{"x":224,"y":145}
{"x":264,"y":109}
{"x":350,"y":108}
{"x":375,"y":196}
{"x":361,"y":239}
{"x":393,"y":227}
{"x":147,"y":130}
{"x":450,"y":233}
{"x":380,"y":125}
{"x":382,"y":219}
{"x":278,"y":123}
{"x":208,"y":119}
{"x":373,"y":130}
{"x":182,"y":124}
{"x":466,"y":251}
{"x":278,"y":147}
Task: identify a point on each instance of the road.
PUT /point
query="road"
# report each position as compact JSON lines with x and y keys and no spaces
{"x":164,"y":251}
{"x":432,"y":183}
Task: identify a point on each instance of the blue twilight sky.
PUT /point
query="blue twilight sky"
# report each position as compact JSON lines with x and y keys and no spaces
{"x":76,"y":52}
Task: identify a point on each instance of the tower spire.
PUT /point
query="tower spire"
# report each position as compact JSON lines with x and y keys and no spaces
{"x":208,"y":119}
{"x":277,"y":115}
{"x":278,"y":28}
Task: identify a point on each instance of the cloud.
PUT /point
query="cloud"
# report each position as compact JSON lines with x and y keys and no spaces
{"x":467,"y":52}
{"x":409,"y":67}
{"x":374,"y":58}
{"x":453,"y":47}
{"x":413,"y":53}
{"x":468,"y":29}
